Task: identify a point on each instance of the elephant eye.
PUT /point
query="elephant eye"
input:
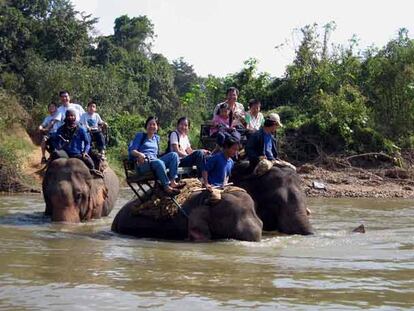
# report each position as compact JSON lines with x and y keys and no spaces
{"x":79,"y":197}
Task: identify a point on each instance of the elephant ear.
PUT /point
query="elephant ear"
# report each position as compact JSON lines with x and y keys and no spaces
{"x":95,"y":203}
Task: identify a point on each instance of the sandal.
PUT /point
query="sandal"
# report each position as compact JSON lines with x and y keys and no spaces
{"x":171,"y":191}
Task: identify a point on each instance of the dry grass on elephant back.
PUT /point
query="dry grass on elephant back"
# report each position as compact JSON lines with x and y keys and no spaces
{"x":161,"y":206}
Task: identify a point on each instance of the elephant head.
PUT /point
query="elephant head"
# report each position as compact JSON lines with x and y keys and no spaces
{"x":280,"y":201}
{"x":231,"y":217}
{"x":73,"y":194}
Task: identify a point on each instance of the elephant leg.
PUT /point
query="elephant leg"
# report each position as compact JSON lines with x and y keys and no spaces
{"x":198,"y":224}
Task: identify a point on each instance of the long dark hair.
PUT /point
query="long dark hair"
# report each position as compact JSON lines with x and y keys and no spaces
{"x":182,"y":119}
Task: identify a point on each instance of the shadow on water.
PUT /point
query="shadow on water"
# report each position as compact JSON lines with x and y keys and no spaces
{"x":24,"y":219}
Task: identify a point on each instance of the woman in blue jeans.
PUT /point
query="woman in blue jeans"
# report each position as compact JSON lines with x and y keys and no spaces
{"x":144,"y":149}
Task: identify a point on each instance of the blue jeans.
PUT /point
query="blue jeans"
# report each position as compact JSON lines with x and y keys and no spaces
{"x":222,"y":136}
{"x":159,"y":166}
{"x":197,"y":158}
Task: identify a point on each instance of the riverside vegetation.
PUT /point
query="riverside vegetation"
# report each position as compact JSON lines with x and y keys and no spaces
{"x":336,"y":101}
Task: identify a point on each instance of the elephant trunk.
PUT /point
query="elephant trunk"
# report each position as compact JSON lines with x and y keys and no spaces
{"x":292,"y":218}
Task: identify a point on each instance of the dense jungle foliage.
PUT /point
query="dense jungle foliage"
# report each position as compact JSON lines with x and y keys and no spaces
{"x":332,"y":99}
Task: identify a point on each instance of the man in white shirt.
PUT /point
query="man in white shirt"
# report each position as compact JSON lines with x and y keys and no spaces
{"x":65,"y":105}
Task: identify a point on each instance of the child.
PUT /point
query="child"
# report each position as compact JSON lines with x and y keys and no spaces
{"x":218,"y":167}
{"x":48,"y":128}
{"x":92,"y":121}
{"x":221,"y":127}
{"x":254,"y":118}
{"x":221,"y":120}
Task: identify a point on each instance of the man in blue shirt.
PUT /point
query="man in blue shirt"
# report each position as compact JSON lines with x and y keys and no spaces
{"x":262,"y":143}
{"x":72,"y":140}
{"x":218,"y":167}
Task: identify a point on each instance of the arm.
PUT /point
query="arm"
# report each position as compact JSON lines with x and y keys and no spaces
{"x":100,"y":121}
{"x":45,"y":126}
{"x":207,"y":167}
{"x":228,"y":174}
{"x":133,"y":149}
{"x":205,"y":181}
{"x":274,"y":148}
{"x":180,"y":152}
{"x":86,"y":140}
{"x":215,"y":110}
{"x":175,"y":145}
{"x":50,"y":125}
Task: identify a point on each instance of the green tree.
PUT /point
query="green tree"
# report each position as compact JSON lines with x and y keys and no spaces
{"x":133,"y":34}
{"x":389,"y":84}
{"x":184,"y":76}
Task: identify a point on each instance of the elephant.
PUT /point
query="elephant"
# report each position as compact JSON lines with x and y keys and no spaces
{"x":73,"y":194}
{"x":200,"y":219}
{"x":280,"y":201}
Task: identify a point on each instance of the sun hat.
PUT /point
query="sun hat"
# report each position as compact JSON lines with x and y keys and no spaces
{"x":274,"y":117}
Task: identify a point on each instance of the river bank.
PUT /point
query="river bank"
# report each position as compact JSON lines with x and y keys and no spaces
{"x":356,"y":182}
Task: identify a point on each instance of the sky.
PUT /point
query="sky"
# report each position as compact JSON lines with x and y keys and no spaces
{"x":217,"y":36}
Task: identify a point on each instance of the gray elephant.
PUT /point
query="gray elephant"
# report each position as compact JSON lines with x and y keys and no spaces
{"x":73,"y":194}
{"x":280,"y":201}
{"x":231,"y":217}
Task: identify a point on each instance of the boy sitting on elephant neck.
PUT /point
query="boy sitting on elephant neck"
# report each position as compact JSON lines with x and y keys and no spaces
{"x":218,"y":167}
{"x":73,"y":141}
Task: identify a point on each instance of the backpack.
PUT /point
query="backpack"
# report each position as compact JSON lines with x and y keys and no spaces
{"x":168,"y":149}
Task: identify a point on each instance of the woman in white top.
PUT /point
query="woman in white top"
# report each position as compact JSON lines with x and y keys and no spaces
{"x":178,"y":142}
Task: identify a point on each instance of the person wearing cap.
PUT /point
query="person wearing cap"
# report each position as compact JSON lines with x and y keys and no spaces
{"x":263,"y":144}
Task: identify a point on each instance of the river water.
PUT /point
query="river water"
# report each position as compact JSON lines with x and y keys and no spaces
{"x":87,"y":267}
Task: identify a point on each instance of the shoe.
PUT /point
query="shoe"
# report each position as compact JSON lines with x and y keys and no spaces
{"x":43,"y":161}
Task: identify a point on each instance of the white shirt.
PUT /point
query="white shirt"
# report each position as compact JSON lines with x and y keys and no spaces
{"x":61,"y":112}
{"x":254,"y":123}
{"x":91,"y":121}
{"x":238,"y":113}
{"x":184,"y":141}
{"x":46,"y":122}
